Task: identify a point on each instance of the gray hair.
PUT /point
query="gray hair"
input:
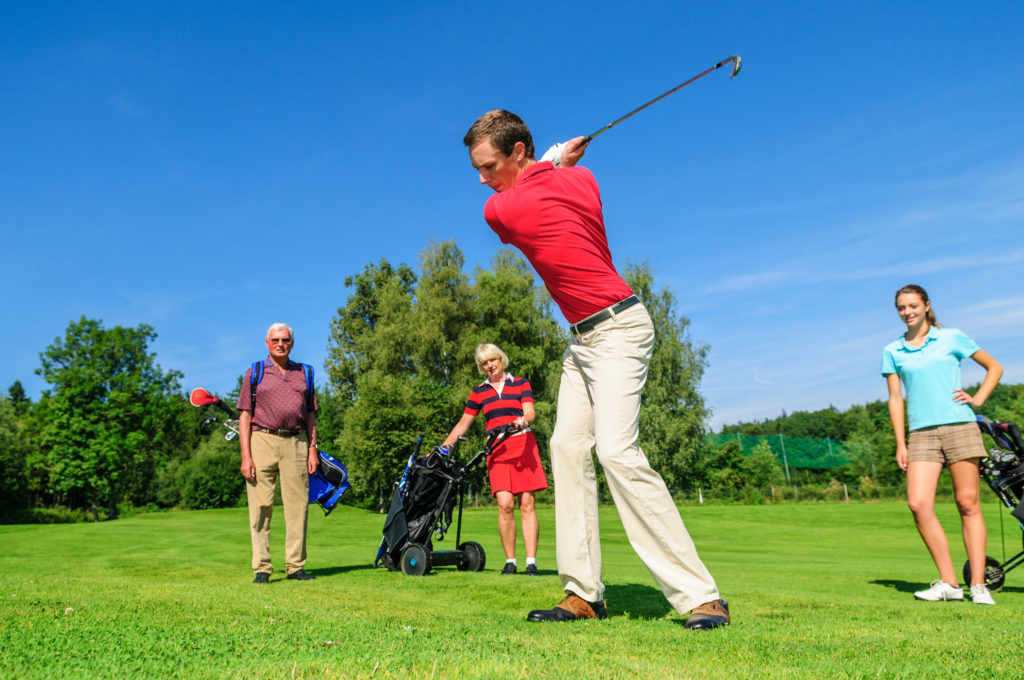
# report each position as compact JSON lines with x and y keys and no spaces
{"x":278,"y":327}
{"x":488,"y":351}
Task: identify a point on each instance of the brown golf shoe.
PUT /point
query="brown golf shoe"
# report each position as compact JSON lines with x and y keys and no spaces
{"x":572,"y":608}
{"x":709,"y":615}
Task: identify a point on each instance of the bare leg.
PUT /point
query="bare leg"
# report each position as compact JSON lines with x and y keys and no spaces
{"x":967,"y":488}
{"x":507,"y":523}
{"x":528,"y":518}
{"x":922,"y":478}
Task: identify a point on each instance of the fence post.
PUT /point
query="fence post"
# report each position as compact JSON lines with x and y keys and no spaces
{"x":784,"y":462}
{"x":846,"y":493}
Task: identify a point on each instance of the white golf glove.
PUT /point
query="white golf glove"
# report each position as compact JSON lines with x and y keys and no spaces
{"x":554,"y":154}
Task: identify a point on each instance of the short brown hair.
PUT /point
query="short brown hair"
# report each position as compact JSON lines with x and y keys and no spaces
{"x":504,"y":129}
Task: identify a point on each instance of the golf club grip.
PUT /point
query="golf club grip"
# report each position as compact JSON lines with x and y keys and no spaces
{"x":224,"y":407}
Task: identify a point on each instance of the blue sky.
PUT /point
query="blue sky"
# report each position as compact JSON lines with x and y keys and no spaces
{"x":208,"y":168}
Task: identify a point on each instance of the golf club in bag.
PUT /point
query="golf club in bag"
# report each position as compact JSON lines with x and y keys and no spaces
{"x":326,"y":486}
{"x":421,"y":510}
{"x":1003,"y":471}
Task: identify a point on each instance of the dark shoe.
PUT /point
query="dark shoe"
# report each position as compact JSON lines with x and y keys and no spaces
{"x":300,"y":575}
{"x":531,"y":570}
{"x":709,"y":615}
{"x":261,"y":577}
{"x":510,"y":568}
{"x":573,"y":607}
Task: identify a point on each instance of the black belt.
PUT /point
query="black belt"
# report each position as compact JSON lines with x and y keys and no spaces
{"x":590,"y":323}
{"x":283,"y":433}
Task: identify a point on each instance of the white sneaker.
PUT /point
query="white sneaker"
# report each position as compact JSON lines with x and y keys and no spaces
{"x":940,"y":591}
{"x":980,"y":594}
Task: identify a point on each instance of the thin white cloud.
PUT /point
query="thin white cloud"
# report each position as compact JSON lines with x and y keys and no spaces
{"x":823,"y":275}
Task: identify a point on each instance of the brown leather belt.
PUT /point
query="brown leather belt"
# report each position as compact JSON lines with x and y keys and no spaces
{"x":590,"y":323}
{"x":282,"y":433}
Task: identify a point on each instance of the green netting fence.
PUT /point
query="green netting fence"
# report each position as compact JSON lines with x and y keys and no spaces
{"x":796,"y":452}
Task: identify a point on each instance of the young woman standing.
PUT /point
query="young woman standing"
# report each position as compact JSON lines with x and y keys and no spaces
{"x":943,"y":433}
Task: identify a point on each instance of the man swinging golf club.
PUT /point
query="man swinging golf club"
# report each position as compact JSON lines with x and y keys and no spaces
{"x":553,"y":215}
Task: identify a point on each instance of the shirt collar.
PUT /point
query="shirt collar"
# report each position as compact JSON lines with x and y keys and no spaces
{"x":930,"y":337}
{"x":534,"y":169}
{"x":288,"y":366}
{"x":508,"y":379}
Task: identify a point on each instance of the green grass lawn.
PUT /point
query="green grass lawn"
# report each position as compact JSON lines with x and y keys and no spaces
{"x":816,"y":591}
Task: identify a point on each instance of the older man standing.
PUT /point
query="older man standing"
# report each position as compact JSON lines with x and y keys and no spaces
{"x":277,"y":432}
{"x":553,"y":215}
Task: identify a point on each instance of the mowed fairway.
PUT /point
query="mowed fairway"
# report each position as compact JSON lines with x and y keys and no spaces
{"x":816,"y":591}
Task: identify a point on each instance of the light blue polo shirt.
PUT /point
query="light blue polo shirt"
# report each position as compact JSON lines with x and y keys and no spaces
{"x":930,"y":373}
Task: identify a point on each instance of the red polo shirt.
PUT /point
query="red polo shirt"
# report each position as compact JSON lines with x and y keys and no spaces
{"x":499,"y":409}
{"x":554,"y":217}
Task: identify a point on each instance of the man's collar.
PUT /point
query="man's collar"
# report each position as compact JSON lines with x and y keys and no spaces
{"x":537,"y":167}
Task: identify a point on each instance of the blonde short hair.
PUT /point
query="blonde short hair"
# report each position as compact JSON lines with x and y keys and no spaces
{"x":488,"y":351}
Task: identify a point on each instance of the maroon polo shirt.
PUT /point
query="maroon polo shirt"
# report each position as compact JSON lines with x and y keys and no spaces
{"x":554,"y":217}
{"x":280,"y":399}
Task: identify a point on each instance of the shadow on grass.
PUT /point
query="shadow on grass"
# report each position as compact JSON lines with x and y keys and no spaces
{"x":636,"y":601}
{"x":902,"y":586}
{"x":333,"y":571}
{"x":907,"y":587}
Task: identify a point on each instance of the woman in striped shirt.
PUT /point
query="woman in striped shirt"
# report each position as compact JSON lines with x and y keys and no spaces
{"x":514,"y":467}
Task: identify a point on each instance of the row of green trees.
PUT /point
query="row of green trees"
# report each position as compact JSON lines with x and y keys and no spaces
{"x":114,"y":429}
{"x":99,"y":436}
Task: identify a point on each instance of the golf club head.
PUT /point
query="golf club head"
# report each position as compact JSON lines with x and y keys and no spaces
{"x":200,"y":397}
{"x":735,"y":66}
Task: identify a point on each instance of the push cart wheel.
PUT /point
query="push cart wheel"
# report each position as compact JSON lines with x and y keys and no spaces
{"x":473,"y":557}
{"x":994,"y":575}
{"x":415,"y":560}
{"x":388,"y":561}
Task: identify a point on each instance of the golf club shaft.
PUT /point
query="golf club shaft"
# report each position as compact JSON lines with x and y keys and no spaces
{"x":736,"y":69}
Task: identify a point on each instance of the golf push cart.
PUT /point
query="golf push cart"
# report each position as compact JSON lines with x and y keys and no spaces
{"x":421,"y":510}
{"x":326,"y":486}
{"x":1003,"y":470}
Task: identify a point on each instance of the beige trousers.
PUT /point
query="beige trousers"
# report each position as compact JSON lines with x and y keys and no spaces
{"x":285,"y":457}
{"x":603,"y":373}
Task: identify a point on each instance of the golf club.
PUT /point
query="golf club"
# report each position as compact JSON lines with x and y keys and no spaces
{"x":735,"y":59}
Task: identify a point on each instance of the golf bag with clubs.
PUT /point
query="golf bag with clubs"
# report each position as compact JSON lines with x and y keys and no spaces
{"x":422,"y":508}
{"x":326,"y":486}
{"x":1003,"y":471}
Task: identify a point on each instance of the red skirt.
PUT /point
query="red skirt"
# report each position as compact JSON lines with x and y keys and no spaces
{"x":515,"y":466}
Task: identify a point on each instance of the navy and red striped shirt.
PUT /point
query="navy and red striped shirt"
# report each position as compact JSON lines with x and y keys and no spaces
{"x":500,"y":409}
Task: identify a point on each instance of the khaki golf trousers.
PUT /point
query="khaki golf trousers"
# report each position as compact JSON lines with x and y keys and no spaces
{"x":603,"y":373}
{"x":284,"y":457}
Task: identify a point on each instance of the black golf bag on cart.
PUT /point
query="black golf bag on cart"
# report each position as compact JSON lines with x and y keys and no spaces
{"x":422,"y":509}
{"x":1003,"y":470}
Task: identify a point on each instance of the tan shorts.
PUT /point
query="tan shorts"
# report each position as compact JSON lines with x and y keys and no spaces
{"x":946,"y":444}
